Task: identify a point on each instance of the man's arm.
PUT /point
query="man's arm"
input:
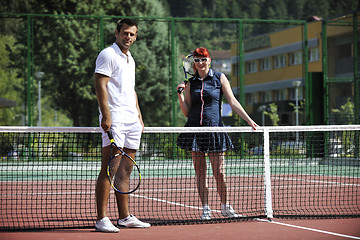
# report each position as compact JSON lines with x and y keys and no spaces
{"x":138,"y":108}
{"x":100,"y":82}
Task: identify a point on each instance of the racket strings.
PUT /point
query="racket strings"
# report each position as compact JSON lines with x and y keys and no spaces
{"x":121,"y":180}
{"x":188,"y":65}
{"x":123,"y":177}
{"x":126,"y":179}
{"x":114,"y":167}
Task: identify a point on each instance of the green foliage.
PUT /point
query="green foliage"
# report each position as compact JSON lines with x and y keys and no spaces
{"x":261,"y":9}
{"x":273,"y":115}
{"x":346,"y":112}
{"x":53,"y":116}
{"x":68,"y":69}
{"x":299,"y":109}
{"x":289,"y":149}
{"x":66,"y":48}
{"x":152,"y":59}
{"x":11,"y":86}
{"x":6,"y":146}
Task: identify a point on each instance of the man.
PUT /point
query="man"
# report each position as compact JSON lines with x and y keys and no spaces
{"x":119,"y":110}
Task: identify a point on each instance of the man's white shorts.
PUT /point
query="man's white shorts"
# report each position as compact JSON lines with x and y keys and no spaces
{"x":126,"y":135}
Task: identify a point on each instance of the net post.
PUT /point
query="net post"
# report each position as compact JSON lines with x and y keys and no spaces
{"x":267,"y":179}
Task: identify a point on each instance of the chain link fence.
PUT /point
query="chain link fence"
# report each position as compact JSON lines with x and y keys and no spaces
{"x":341,"y":69}
{"x":51,"y":58}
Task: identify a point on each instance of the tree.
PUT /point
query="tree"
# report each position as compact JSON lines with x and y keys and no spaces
{"x":319,"y":8}
{"x":66,"y":58}
{"x":65,"y":49}
{"x":272,"y":113}
{"x":277,"y":10}
{"x":11,"y":86}
{"x":298,"y":109}
{"x":346,"y":113}
{"x":296,"y":9}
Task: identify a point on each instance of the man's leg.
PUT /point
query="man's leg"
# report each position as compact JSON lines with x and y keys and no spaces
{"x":125,"y":218}
{"x":102,"y":190}
{"x":125,"y":168}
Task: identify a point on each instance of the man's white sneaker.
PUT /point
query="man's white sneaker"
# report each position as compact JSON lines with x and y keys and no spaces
{"x":228,"y":211}
{"x":105,"y":225}
{"x":206,"y":214}
{"x":132,"y":222}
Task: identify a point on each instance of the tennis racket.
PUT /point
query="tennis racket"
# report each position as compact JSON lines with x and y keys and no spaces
{"x":117,"y":166}
{"x":188,"y":62}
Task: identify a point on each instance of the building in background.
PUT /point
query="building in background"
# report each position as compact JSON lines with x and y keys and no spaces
{"x":274,"y":70}
{"x":221,"y":61}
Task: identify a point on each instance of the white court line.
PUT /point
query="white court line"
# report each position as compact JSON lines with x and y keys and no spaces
{"x":310,"y":229}
{"x":169,"y":202}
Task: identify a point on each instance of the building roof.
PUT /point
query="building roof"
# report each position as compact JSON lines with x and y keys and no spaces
{"x":220,"y":54}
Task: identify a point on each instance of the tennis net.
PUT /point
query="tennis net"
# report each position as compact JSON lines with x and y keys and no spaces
{"x":48,"y":175}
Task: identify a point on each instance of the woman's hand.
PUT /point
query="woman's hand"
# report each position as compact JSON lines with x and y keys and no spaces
{"x":253,"y":124}
{"x":181,"y":85}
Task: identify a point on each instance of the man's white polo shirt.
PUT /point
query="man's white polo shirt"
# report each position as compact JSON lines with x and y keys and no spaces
{"x":112,"y":62}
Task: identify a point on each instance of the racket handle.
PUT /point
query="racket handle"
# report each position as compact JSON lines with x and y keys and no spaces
{"x":182,"y":89}
{"x":110,"y":134}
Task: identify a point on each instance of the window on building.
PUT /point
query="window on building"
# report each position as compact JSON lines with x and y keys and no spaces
{"x":279,"y":95}
{"x":280,"y":61}
{"x":268,"y":96}
{"x":254,"y":98}
{"x":292,"y":93}
{"x":265,"y":64}
{"x":251,"y":67}
{"x":265,"y":97}
{"x":276,"y":95}
{"x":282,"y":93}
{"x":248,"y":99}
{"x":314,"y":54}
{"x":234,"y":70}
{"x":295,"y":58}
{"x":251,"y":98}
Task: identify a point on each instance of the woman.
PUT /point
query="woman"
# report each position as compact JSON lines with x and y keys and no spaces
{"x":201,"y":104}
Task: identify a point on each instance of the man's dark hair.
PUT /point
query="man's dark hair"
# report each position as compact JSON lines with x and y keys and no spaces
{"x":127,"y":21}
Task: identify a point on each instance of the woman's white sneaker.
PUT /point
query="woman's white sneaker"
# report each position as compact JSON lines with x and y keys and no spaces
{"x":206,"y":214}
{"x":228,"y":211}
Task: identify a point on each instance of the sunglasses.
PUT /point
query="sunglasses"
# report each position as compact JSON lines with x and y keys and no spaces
{"x":197,"y":60}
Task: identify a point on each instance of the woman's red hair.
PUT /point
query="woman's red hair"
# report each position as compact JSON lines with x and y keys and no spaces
{"x":201,"y":52}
